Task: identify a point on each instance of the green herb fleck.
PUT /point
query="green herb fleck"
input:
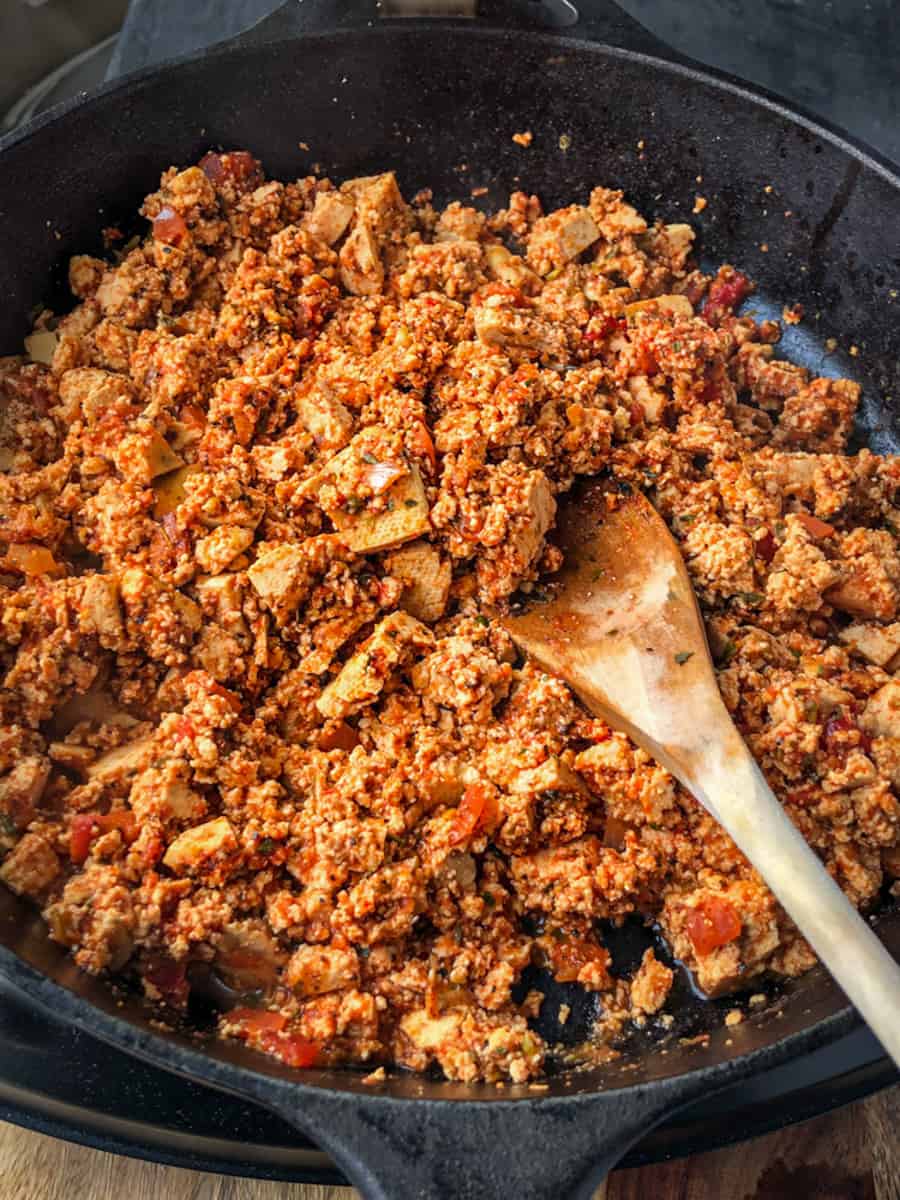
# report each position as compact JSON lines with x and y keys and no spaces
{"x":811,"y":710}
{"x":369,"y":458}
{"x":682,"y":656}
{"x":751,"y":597}
{"x":565,"y":142}
{"x":676,"y":345}
{"x":410,"y":503}
{"x":489,"y":900}
{"x":266,"y":846}
{"x":390,"y":506}
{"x":8,"y":826}
{"x":353,"y":504}
{"x":480,"y":620}
{"x":729,"y":650}
{"x":687,"y":518}
{"x":598,"y":574}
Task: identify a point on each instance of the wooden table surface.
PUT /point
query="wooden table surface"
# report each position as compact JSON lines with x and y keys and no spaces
{"x":849,"y":1155}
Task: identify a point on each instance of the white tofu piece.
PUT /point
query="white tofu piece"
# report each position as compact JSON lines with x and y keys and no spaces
{"x":677,"y":306}
{"x":427,"y":578}
{"x":221,"y":547}
{"x":540,"y":511}
{"x":98,"y":607}
{"x":551,"y":776}
{"x":122,"y":760}
{"x":316,"y":970}
{"x":194,"y":847}
{"x":330,"y":216}
{"x":280,"y":578}
{"x":143,"y":455}
{"x":516,"y":328}
{"x":30,"y":866}
{"x":560,"y":237}
{"x":881,"y":716}
{"x":363,"y":676}
{"x":876,"y":643}
{"x":405,"y":517}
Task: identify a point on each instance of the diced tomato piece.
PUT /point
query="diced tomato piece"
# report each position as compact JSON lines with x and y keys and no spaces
{"x":513,"y":295}
{"x":169,"y":226}
{"x":421,"y":444}
{"x":122,"y":819}
{"x":714,"y":922}
{"x":814,"y":527}
{"x":294,"y":1051}
{"x":726,"y":292}
{"x":636,"y":411}
{"x":237,"y":166}
{"x":602,"y":325}
{"x":169,"y":978}
{"x":764,"y":544}
{"x":81,"y":833}
{"x":340,"y":737}
{"x":257,"y":1020}
{"x":841,"y":733}
{"x":477,"y":812}
{"x":570,"y":955}
{"x":193,"y":416}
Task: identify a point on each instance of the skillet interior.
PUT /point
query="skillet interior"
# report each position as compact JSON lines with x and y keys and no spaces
{"x":441,"y":109}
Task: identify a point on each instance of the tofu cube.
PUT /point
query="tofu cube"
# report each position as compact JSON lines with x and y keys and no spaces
{"x":98,"y":608}
{"x":143,"y":455}
{"x":330,"y":216}
{"x":31,"y":866}
{"x":280,"y":578}
{"x":121,"y":761}
{"x":881,"y":716}
{"x":427,"y":578}
{"x":551,"y":776}
{"x":323,"y":415}
{"x":361,"y":270}
{"x":404,"y":517}
{"x":199,"y":846}
{"x":363,"y":676}
{"x":316,"y":970}
{"x":876,"y":643}
{"x":510,"y":268}
{"x":516,"y":328}
{"x":560,"y":237}
{"x":221,"y":547}
{"x":538,"y":515}
{"x":675,"y":305}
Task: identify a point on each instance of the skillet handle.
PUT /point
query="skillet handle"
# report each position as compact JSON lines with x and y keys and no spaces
{"x":595,"y":20}
{"x":532,"y":1149}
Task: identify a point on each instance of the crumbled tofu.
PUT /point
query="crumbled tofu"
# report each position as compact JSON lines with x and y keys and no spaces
{"x":31,"y":866}
{"x":198,"y":846}
{"x":651,"y":985}
{"x":364,"y":675}
{"x":323,"y":415}
{"x":426,"y":577}
{"x":316,"y":970}
{"x":221,"y":547}
{"x":121,"y":761}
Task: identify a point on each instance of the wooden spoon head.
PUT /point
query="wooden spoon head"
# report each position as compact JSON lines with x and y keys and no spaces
{"x":622,"y":626}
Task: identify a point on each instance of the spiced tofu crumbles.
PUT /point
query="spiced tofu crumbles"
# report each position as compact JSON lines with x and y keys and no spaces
{"x":265,"y":490}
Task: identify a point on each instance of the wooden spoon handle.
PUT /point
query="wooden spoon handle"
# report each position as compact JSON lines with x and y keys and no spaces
{"x":735,"y":791}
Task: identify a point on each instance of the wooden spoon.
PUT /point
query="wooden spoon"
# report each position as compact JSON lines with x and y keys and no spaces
{"x":624,"y":631}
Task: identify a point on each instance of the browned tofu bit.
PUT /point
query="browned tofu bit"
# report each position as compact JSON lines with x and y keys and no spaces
{"x":426,"y":577}
{"x":197,"y":847}
{"x":364,"y":675}
{"x":31,"y":866}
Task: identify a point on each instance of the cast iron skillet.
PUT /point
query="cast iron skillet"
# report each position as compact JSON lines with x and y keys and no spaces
{"x":810,"y":215}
